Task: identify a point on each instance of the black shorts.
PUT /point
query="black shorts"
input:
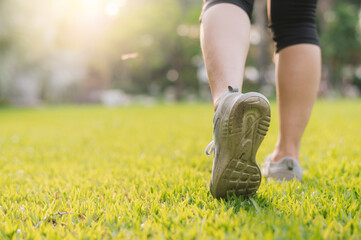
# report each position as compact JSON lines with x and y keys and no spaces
{"x":291,"y":21}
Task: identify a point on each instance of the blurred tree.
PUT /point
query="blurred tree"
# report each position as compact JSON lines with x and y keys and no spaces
{"x":164,"y":34}
{"x":340,"y":38}
{"x":69,"y":49}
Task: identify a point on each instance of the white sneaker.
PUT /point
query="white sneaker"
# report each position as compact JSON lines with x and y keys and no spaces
{"x":286,"y":169}
{"x":239,"y":126}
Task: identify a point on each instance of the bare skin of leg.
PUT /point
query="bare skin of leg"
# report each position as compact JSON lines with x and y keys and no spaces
{"x":225,"y":33}
{"x":298,"y":70}
{"x":298,"y":73}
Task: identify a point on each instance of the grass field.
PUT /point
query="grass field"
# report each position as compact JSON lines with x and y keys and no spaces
{"x":140,"y":172}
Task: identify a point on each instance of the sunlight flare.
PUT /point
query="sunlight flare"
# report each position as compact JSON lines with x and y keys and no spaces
{"x":112,"y":8}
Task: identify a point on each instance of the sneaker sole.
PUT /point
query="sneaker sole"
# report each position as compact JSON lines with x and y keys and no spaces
{"x":247,"y":125}
{"x":283,"y":176}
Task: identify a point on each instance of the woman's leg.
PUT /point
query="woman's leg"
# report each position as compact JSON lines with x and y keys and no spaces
{"x":298,"y":73}
{"x":225,"y":33}
{"x":298,"y":70}
{"x":242,"y":120}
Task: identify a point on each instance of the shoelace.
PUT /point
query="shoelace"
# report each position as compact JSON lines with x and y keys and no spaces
{"x":210,"y":148}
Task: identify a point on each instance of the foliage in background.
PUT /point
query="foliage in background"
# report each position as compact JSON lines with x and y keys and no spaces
{"x":68,"y":51}
{"x":340,"y":38}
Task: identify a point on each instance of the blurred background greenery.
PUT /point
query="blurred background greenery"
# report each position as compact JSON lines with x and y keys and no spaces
{"x":117,"y":51}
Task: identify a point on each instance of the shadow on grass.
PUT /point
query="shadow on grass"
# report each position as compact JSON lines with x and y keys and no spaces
{"x":261,"y":202}
{"x":254,"y":203}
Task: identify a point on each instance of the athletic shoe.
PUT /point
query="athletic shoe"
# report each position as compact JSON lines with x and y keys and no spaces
{"x":286,"y":169}
{"x":239,"y":126}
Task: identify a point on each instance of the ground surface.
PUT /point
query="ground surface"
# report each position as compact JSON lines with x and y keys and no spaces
{"x":138,"y":172}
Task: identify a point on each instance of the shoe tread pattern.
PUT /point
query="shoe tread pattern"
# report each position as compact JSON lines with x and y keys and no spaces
{"x":247,"y":125}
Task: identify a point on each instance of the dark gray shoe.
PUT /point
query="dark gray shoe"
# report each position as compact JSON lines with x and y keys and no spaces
{"x":240,"y":124}
{"x":286,"y":169}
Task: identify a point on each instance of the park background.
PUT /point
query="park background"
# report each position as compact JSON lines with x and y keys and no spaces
{"x":118,"y":52}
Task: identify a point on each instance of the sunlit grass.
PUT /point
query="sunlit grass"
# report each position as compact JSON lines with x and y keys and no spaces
{"x":139,"y":172}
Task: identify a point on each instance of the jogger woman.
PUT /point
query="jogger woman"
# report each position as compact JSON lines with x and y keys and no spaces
{"x":242,"y":120}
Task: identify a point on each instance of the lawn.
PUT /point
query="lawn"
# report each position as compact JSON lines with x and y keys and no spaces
{"x":141,"y":172}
